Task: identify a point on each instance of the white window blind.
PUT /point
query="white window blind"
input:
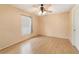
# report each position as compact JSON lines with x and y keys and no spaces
{"x":26,"y":25}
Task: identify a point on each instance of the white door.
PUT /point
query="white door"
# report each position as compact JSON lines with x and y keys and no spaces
{"x":76,"y":28}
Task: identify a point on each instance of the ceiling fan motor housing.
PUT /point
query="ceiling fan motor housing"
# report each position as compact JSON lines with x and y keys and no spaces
{"x":42,"y":8}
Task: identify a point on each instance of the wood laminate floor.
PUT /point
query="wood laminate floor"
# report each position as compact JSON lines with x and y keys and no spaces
{"x":41,"y":44}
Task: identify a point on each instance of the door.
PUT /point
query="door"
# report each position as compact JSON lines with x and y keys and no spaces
{"x":76,"y":28}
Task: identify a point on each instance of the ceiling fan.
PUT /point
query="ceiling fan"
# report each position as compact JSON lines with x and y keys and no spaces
{"x":43,"y":9}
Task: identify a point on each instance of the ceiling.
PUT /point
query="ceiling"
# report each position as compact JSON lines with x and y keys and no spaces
{"x":56,"y":8}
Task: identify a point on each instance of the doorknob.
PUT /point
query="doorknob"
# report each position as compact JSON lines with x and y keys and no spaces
{"x":74,"y":29}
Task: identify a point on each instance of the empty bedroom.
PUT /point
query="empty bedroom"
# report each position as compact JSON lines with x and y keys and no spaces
{"x":39,"y":29}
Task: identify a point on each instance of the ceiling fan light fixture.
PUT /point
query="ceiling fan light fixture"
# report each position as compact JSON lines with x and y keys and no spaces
{"x":44,"y":13}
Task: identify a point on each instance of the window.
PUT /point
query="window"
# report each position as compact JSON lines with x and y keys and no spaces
{"x":26,"y":28}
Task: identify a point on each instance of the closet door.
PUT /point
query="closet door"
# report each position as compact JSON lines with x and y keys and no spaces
{"x":76,"y":28}
{"x":26,"y":25}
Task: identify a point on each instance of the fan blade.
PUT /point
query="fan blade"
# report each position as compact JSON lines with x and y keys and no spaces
{"x":35,"y":10}
{"x":46,"y":6}
{"x":36,"y":5}
{"x":50,"y":11}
